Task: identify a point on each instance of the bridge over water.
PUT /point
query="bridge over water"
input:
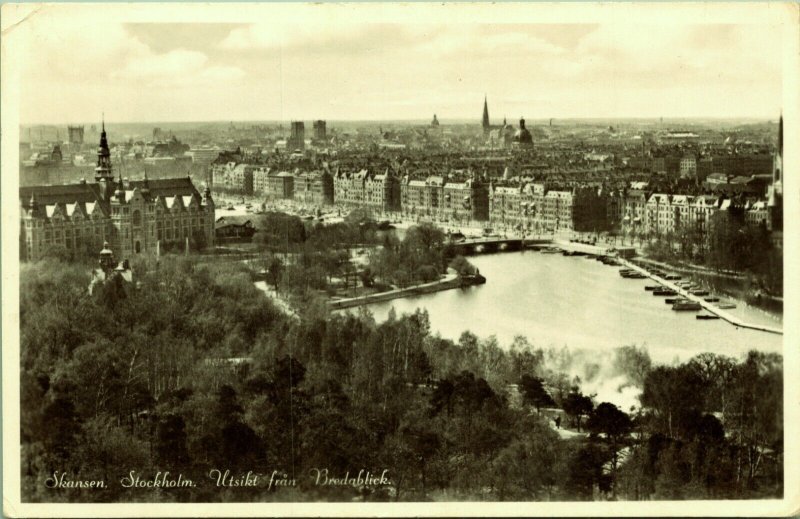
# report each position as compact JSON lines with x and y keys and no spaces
{"x":491,"y":245}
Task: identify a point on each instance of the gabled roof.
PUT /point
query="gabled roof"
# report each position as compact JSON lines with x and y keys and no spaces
{"x":659,"y":198}
{"x":75,"y":209}
{"x":95,"y":207}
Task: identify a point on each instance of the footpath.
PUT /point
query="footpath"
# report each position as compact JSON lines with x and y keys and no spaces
{"x":449,"y":282}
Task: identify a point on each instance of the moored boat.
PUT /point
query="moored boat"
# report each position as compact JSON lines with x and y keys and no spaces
{"x":672,"y":277}
{"x":673,"y":300}
{"x":726,"y":306}
{"x":711,"y":299}
{"x":650,"y":288}
{"x":634,"y":275}
{"x":707,"y":316}
{"x":699,"y":292}
{"x":690,"y":306}
{"x":664,"y":292}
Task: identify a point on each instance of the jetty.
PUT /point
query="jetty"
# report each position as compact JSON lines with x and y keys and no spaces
{"x":709,"y":307}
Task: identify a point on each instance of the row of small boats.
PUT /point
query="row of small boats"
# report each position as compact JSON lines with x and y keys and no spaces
{"x":673,"y":297}
{"x":679,"y":303}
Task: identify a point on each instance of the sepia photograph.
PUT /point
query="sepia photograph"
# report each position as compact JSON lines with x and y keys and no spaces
{"x":363,"y":254}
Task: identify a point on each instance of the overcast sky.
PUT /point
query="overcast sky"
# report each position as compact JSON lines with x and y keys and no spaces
{"x":323,"y":67}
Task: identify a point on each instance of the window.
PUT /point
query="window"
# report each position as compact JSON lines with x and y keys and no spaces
{"x":137,"y":217}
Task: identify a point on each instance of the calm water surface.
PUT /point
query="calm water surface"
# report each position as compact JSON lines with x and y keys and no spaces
{"x":578,"y":302}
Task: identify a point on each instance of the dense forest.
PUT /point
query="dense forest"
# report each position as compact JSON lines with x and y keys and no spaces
{"x":193,"y":370}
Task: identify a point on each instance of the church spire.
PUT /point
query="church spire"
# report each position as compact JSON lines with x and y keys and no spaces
{"x":103,"y":169}
{"x":486,"y":125}
{"x":780,"y":136}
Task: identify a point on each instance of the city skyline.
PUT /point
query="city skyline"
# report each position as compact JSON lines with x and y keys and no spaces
{"x":379,"y":70}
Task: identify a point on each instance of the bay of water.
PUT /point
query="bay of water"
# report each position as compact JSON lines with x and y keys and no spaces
{"x":580,"y":303}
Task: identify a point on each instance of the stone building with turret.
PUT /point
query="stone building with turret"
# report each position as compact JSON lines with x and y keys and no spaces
{"x":133,"y":216}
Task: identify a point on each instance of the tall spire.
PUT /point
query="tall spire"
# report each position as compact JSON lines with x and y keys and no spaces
{"x":780,"y":136}
{"x":103,"y":169}
{"x":485,"y":123}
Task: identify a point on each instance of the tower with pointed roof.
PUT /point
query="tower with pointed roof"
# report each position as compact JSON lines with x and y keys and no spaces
{"x":486,"y":125}
{"x":103,"y":173}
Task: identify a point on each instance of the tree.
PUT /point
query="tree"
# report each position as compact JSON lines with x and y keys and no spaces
{"x":274,"y":270}
{"x":674,"y":395}
{"x":608,"y":420}
{"x":586,"y":473}
{"x":422,"y":444}
{"x":367,"y":277}
{"x":427,"y":273}
{"x":534,"y":393}
{"x":577,"y":405}
{"x":401,"y":278}
{"x":756,"y":418}
{"x":462,"y":266}
{"x":633,"y":362}
{"x":170,"y":444}
{"x":530,"y":467}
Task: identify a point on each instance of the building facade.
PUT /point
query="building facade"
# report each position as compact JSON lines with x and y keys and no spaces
{"x":315,"y":188}
{"x":280,"y":185}
{"x":235,"y":177}
{"x":366,"y":189}
{"x":135,"y":217}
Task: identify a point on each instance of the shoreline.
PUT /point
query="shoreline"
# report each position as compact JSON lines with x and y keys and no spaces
{"x":448,"y":283}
